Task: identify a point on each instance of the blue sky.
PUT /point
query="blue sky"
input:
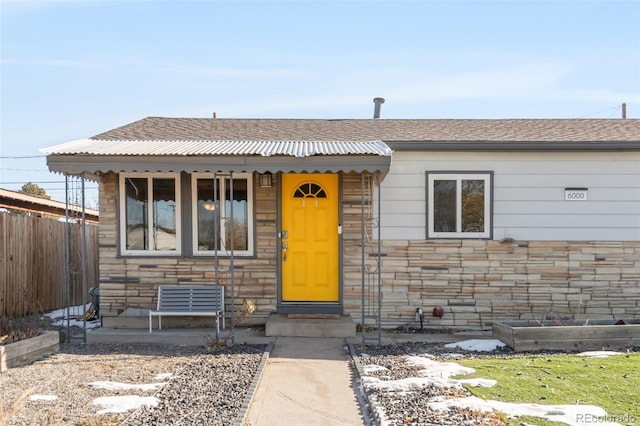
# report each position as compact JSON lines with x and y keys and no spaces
{"x":73,"y":69}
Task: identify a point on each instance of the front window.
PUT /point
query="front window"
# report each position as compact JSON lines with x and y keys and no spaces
{"x":221,"y":214}
{"x":459,"y":205}
{"x":150,"y":213}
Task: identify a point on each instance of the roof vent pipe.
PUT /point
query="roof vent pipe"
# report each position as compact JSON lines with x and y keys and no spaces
{"x":378,"y":102}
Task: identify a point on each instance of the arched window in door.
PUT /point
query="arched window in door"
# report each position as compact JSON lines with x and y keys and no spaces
{"x":310,"y":190}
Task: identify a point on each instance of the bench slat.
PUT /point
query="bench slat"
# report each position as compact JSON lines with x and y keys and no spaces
{"x":186,"y":300}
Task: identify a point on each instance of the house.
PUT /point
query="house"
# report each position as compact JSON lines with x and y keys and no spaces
{"x":375,"y":218}
{"x":38,"y":206}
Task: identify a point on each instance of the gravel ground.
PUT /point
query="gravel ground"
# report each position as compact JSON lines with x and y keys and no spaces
{"x":217,"y":386}
{"x":68,"y":373}
{"x":410,"y":407}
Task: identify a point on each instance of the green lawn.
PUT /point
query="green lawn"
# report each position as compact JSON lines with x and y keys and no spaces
{"x":612,"y":383}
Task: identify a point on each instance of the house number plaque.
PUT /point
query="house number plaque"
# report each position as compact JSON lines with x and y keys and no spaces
{"x":575,"y":194}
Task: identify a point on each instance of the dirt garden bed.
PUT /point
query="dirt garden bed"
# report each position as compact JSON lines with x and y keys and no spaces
{"x":570,"y":335}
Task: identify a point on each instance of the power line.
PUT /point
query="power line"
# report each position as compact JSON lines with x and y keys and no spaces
{"x":38,"y":182}
{"x":4,"y":157}
{"x":615,"y":108}
{"x":62,"y":189}
{"x":24,"y":170}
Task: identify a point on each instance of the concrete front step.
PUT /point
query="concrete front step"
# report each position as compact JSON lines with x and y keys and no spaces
{"x":313,"y":326}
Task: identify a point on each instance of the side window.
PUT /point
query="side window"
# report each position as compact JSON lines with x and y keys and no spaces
{"x":149,"y":214}
{"x":222,"y":207}
{"x":459,"y":205}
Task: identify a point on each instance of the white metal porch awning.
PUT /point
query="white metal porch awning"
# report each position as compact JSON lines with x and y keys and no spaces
{"x":101,"y":156}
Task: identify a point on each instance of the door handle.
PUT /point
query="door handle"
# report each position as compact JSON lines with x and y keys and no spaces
{"x":285,"y":245}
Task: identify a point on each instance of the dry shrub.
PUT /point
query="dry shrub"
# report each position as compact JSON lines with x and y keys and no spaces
{"x":12,"y":332}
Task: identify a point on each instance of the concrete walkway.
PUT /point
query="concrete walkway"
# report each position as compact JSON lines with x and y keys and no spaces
{"x":307,"y":381}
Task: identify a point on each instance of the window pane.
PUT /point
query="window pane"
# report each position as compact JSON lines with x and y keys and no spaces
{"x":164,"y":214}
{"x":207,"y":205}
{"x":240,"y":213}
{"x":444,"y":205}
{"x":136,"y":213}
{"x":473,"y":205}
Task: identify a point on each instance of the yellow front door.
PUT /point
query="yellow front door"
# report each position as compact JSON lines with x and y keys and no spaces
{"x":309,"y":246}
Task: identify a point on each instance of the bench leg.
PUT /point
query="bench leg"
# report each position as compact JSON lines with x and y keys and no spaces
{"x":159,"y":322}
{"x":150,"y":323}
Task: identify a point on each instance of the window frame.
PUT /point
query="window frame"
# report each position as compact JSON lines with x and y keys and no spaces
{"x":459,"y":176}
{"x":221,"y":177}
{"x":122,"y":223}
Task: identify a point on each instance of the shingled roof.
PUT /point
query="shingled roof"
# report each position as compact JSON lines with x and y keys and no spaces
{"x":312,"y":145}
{"x":449,"y":130}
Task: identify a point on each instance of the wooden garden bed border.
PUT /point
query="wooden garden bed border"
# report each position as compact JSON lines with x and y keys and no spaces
{"x":28,"y":350}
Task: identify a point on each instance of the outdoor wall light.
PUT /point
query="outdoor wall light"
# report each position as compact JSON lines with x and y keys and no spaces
{"x":265,"y":180}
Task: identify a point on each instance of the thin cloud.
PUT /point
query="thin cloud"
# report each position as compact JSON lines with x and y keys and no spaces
{"x":51,"y":63}
{"x":534,"y":82}
{"x":142,"y":66}
{"x":233,"y":72}
{"x":537,"y":81}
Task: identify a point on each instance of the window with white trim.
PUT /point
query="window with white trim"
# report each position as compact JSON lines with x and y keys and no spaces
{"x":214,"y":222}
{"x":150,"y":213}
{"x":459,"y":205}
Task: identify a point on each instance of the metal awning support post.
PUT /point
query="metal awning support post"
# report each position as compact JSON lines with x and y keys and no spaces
{"x":84,"y":263}
{"x":231,"y":236}
{"x":371,"y":279}
{"x":220,"y":242}
{"x":67,"y":259}
{"x":216,"y":237}
{"x":379,"y":257}
{"x":362,"y":265}
{"x":71,"y":271}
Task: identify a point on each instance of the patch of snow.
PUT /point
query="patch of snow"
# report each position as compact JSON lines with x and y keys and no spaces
{"x":36,"y":397}
{"x":400,"y":385}
{"x":124,"y":403}
{"x":599,"y":354}
{"x":432,"y":373}
{"x":125,"y":386}
{"x":443,"y":370}
{"x":573,"y":415}
{"x":453,"y":355}
{"x":75,"y":315}
{"x":470,"y":402}
{"x":426,"y":355}
{"x":373,"y":367}
{"x":477,"y":345}
{"x":164,"y":376}
{"x":478,"y":383}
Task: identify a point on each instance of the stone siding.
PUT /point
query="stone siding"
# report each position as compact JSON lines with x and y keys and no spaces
{"x":478,"y":282}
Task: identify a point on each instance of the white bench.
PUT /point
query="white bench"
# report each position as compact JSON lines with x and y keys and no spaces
{"x":199,"y":300}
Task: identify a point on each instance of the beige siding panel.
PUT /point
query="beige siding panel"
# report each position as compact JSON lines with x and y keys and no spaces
{"x":542,"y":194}
{"x":564,"y":207}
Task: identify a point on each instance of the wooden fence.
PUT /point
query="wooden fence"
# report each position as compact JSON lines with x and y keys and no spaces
{"x":33,"y":264}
